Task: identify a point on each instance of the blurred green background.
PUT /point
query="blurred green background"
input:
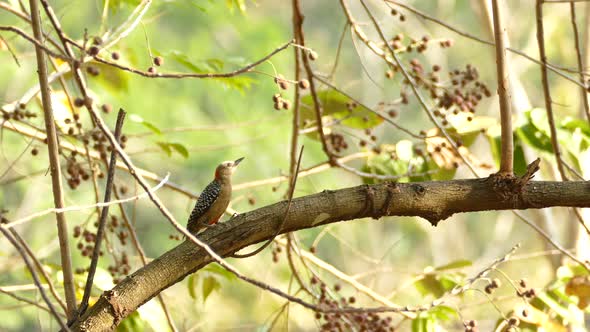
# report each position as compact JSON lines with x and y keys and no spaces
{"x":224,"y":120}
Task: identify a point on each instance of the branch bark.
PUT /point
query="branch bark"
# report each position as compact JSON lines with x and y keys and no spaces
{"x":52,"y":145}
{"x":433,"y":201}
{"x":506,"y":161}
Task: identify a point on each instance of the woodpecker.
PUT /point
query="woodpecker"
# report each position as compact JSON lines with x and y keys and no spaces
{"x":214,"y":200}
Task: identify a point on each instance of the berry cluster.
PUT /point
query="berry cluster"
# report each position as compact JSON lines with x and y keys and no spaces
{"x":283,"y":84}
{"x":346,"y":321}
{"x":120,"y":269}
{"x":493,"y":285}
{"x":87,"y":239}
{"x":470,"y":326}
{"x":276,"y":252}
{"x":524,"y":291}
{"x":19,"y":113}
{"x":75,"y":173}
{"x":336,"y":142}
{"x":85,"y":245}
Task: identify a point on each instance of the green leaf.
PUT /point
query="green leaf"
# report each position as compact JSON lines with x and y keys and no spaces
{"x":209,"y":284}
{"x":218,"y":270}
{"x":430,"y":285}
{"x":469,"y":130}
{"x":233,"y":4}
{"x":114,"y":79}
{"x":165,"y":147}
{"x":443,"y":313}
{"x":180,"y":149}
{"x":455,"y":265}
{"x":198,"y":67}
{"x":138,"y":119}
{"x":192,"y":286}
{"x":151,"y":127}
{"x":574,"y":124}
{"x":560,"y":310}
{"x":132,"y":323}
{"x":169,"y":146}
{"x":240,"y":82}
{"x":335,"y":106}
{"x":534,"y":138}
{"x":423,"y":323}
{"x":441,"y":174}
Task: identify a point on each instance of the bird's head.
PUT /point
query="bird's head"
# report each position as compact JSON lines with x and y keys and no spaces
{"x":226,"y":168}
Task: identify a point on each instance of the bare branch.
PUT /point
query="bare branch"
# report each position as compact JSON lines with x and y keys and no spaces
{"x":23,"y":255}
{"x":580,"y":62}
{"x":53,"y":146}
{"x":103,"y":216}
{"x":507,"y":156}
{"x":546,"y":91}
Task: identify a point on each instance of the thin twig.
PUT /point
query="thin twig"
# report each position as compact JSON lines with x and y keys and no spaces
{"x":341,"y":275}
{"x":317,"y":106}
{"x":407,"y":76}
{"x":580,"y":62}
{"x":546,"y":91}
{"x":306,"y":172}
{"x":386,"y":119}
{"x":298,"y":53}
{"x":425,"y":16}
{"x":550,"y":240}
{"x":143,"y":257}
{"x":507,"y":153}
{"x":103,"y":216}
{"x":63,"y":144}
{"x":37,"y":263}
{"x":58,"y":196}
{"x":280,"y":228}
{"x":233,"y":73}
{"x":25,"y":300}
{"x":36,"y":42}
{"x":23,"y":254}
{"x":85,"y":207}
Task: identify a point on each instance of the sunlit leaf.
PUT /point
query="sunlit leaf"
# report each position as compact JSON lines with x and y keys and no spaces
{"x":443,"y":313}
{"x":209,"y":284}
{"x":580,"y":287}
{"x":469,"y":130}
{"x":153,"y":314}
{"x":240,"y":82}
{"x":239,"y":4}
{"x":165,"y":147}
{"x":62,"y":109}
{"x":340,"y":108}
{"x":192,"y":286}
{"x":217,"y":269}
{"x":430,"y":285}
{"x":180,"y":149}
{"x":425,"y":322}
{"x":132,"y":323}
{"x":540,"y":320}
{"x":112,"y":78}
{"x":557,"y":307}
{"x":138,"y":119}
{"x":455,"y":265}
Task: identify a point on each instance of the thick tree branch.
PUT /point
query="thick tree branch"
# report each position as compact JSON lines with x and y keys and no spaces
{"x":433,"y":201}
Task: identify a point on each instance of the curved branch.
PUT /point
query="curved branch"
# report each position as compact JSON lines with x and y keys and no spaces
{"x":433,"y":201}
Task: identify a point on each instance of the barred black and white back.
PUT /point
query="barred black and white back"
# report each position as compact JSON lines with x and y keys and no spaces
{"x":204,"y":203}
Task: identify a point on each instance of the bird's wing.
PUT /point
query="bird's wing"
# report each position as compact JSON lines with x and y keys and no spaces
{"x":205,"y":201}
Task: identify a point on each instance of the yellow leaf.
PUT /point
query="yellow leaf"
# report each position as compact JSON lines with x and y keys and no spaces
{"x":580,"y":287}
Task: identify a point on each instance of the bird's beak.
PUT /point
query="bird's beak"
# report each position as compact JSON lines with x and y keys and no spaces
{"x":238,"y":161}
